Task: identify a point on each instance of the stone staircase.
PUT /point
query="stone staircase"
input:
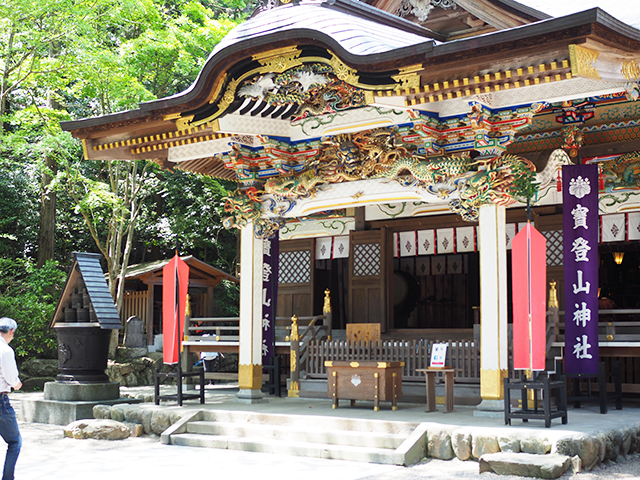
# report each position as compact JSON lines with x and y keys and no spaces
{"x":371,"y":441}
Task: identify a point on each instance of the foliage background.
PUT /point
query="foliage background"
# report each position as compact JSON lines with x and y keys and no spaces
{"x":69,"y":59}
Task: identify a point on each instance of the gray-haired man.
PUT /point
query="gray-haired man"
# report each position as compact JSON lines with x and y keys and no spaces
{"x":9,"y":379}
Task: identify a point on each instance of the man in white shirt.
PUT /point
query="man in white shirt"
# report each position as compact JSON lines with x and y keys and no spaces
{"x":9,"y":379}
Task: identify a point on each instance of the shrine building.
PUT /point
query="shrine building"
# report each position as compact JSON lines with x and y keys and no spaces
{"x":391,"y":146}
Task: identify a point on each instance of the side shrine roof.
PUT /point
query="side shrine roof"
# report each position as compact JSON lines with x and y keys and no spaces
{"x":204,"y":271}
{"x":87,"y":268}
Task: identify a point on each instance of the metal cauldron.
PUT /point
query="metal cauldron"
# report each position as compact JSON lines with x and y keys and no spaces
{"x":83,"y":350}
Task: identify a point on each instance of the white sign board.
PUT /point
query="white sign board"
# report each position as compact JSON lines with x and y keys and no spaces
{"x":438,"y":355}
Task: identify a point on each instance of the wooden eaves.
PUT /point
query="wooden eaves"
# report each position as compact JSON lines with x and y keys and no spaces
{"x":512,"y":58}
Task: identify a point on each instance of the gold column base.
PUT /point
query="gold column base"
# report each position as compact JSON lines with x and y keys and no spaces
{"x":491,"y":384}
{"x":294,"y":390}
{"x":250,"y":377}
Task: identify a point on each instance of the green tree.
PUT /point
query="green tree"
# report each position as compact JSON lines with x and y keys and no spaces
{"x":61,"y":60}
{"x":186,"y":212}
{"x":29,"y":294}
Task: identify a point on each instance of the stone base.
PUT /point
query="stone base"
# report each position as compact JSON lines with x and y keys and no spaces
{"x":246,"y":395}
{"x":490,"y":409}
{"x":81,"y":392}
{"x":60,"y":412}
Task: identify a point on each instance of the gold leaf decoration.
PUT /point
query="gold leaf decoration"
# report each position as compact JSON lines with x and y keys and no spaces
{"x":184,"y":122}
{"x":631,"y":70}
{"x":583,"y":62}
{"x":229,"y":95}
{"x":408,"y":77}
{"x":407,"y":81}
{"x":344,"y":72}
{"x":277,"y":61}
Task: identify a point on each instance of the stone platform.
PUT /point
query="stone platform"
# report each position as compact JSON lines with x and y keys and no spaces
{"x":588,"y":439}
{"x":63,"y":403}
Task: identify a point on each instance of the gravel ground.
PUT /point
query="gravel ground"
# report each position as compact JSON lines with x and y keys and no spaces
{"x":46,"y":454}
{"x":627,"y":469}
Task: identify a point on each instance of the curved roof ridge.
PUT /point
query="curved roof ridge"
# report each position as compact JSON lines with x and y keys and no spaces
{"x":344,"y":27}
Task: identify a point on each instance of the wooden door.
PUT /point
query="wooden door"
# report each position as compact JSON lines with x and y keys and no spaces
{"x":295,"y":278}
{"x":367,"y":282}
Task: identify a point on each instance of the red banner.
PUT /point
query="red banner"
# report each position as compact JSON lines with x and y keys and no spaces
{"x":529,"y":279}
{"x":174,"y":302}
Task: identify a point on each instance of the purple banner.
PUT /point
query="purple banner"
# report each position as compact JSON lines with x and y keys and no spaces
{"x":580,"y":232}
{"x":270,"y":257}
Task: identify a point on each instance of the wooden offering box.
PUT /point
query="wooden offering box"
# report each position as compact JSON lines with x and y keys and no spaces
{"x":365,"y":380}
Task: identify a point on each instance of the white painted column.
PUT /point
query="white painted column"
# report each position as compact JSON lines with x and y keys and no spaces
{"x":493,"y":306}
{"x":250,"y":349}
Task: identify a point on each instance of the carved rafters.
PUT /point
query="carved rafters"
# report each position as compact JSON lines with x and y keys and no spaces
{"x":421,"y":8}
{"x":482,"y":130}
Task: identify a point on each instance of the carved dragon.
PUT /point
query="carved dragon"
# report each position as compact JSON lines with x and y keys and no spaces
{"x":381,"y":154}
{"x":622,"y":173}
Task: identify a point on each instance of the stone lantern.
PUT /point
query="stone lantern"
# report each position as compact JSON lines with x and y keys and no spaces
{"x":83,"y":320}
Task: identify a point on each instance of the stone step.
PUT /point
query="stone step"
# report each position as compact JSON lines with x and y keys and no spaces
{"x":301,"y":433}
{"x":525,"y":464}
{"x":285,"y":447}
{"x":310,"y":422}
{"x":373,"y":441}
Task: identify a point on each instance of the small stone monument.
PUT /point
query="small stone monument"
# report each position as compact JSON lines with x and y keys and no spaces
{"x":134,"y":334}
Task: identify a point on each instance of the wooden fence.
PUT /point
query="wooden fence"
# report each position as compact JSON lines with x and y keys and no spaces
{"x":136,"y":303}
{"x":463,"y":356}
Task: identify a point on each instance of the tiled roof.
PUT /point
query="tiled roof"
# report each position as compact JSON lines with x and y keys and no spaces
{"x":87,"y":266}
{"x":98,"y":290}
{"x":357,"y":35}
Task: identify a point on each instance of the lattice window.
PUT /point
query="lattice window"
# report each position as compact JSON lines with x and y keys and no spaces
{"x":366,"y":259}
{"x":295,"y":267}
{"x":554,"y":248}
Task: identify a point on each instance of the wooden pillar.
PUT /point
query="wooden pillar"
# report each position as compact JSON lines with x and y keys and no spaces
{"x":149,"y":318}
{"x":493,"y":306}
{"x":250,"y":349}
{"x":208,"y":309}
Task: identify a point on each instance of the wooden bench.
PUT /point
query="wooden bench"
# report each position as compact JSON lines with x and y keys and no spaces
{"x":578,"y":396}
{"x":545,"y":411}
{"x":179,"y":375}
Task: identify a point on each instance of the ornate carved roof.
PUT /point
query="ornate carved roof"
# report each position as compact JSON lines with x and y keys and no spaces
{"x":268,"y":81}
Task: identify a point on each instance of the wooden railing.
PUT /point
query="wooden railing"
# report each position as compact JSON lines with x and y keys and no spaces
{"x":220,"y":329}
{"x":608,"y":331}
{"x":618,"y":338}
{"x":304,"y":332}
{"x":464,"y":356}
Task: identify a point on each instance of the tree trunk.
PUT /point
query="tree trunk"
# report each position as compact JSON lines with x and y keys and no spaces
{"x":47,"y":232}
{"x":4,"y":82}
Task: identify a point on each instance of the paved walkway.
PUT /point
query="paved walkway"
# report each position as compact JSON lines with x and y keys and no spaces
{"x":47,"y":455}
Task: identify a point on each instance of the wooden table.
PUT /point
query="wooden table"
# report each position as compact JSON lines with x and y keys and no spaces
{"x":430,"y":374}
{"x":365,"y":380}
